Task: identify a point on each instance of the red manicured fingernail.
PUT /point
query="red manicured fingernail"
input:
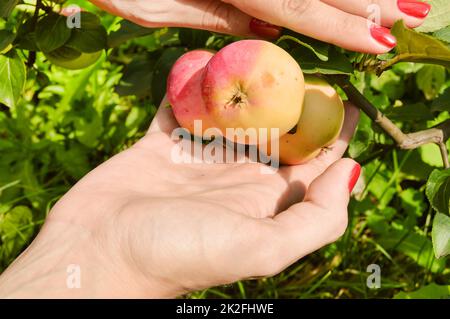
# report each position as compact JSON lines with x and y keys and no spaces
{"x":383,"y":35}
{"x":414,"y":8}
{"x":354,"y":176}
{"x":264,"y":29}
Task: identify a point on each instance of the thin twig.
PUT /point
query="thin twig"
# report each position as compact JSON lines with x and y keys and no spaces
{"x":437,"y":135}
{"x":444,"y":154}
{"x":32,"y":55}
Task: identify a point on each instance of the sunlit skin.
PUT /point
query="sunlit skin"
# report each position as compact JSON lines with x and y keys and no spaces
{"x":254,"y":84}
{"x":140,"y":225}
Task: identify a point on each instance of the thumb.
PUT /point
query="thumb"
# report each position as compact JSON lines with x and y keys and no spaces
{"x":307,"y":226}
{"x":322,"y":216}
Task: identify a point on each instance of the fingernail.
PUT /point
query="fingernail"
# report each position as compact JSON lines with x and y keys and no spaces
{"x":414,"y":8}
{"x":264,"y":29}
{"x":383,"y":35}
{"x":354,"y":176}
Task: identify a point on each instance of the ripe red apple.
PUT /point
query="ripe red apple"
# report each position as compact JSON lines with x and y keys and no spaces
{"x":184,"y":90}
{"x":253,"y":84}
{"x":319,"y":125}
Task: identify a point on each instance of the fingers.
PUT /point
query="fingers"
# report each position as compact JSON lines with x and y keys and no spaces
{"x":212,"y":15}
{"x":411,"y":11}
{"x":305,"y":227}
{"x":164,"y":120}
{"x":321,"y":21}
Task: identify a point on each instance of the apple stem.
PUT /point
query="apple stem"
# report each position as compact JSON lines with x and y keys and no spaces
{"x":437,"y":135}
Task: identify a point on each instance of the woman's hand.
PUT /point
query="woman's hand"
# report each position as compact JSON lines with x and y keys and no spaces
{"x":141,"y":225}
{"x":341,"y":22}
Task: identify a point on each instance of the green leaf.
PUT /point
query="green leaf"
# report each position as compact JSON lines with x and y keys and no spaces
{"x":90,"y":37}
{"x":418,"y":247}
{"x":127,"y":31}
{"x":26,"y":36}
{"x":137,"y":78}
{"x":442,"y":102}
{"x":389,"y":83}
{"x":6,"y":38}
{"x":194,"y":39}
{"x":431,"y":155}
{"x":73,"y":160}
{"x":443,"y":34}
{"x":413,"y":46}
{"x":438,"y":17}
{"x":161,"y":72}
{"x":410,"y":113}
{"x":431,"y":291}
{"x":12,"y":78}
{"x":320,"y":49}
{"x":6,"y":7}
{"x":441,"y":235}
{"x":16,"y":229}
{"x":438,"y":190}
{"x":308,"y":61}
{"x":430,"y":80}
{"x":413,"y":202}
{"x":415,"y":169}
{"x":64,"y":54}
{"x":88,"y":130}
{"x":52,"y":32}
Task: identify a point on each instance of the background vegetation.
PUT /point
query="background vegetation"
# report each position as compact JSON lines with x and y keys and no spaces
{"x":57,"y":124}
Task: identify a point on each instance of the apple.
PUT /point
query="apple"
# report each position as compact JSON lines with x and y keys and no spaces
{"x":319,"y":126}
{"x":253,"y":84}
{"x":184,"y":90}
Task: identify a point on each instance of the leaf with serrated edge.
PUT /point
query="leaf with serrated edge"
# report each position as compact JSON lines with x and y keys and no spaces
{"x":413,"y":46}
{"x":12,"y":78}
{"x":438,"y":190}
{"x":441,"y":235}
{"x":438,"y":17}
{"x":52,"y":32}
{"x":443,"y":34}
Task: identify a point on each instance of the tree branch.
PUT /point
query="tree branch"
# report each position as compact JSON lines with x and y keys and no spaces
{"x":437,"y":135}
{"x":32,"y":54}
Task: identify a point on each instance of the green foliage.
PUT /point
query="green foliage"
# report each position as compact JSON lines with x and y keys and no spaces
{"x":431,"y":291}
{"x":438,"y":18}
{"x":52,"y":32}
{"x":418,"y":47}
{"x":56,"y":125}
{"x":12,"y":78}
{"x":441,"y":235}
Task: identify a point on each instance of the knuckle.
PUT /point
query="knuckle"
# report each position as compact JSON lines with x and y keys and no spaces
{"x":296,"y":7}
{"x":217,"y":17}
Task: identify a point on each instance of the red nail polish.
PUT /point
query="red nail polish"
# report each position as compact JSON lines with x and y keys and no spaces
{"x":383,"y":35}
{"x":264,"y":29}
{"x":354,"y":176}
{"x":414,"y":8}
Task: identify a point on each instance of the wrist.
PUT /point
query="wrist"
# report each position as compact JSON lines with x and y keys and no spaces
{"x":69,"y":261}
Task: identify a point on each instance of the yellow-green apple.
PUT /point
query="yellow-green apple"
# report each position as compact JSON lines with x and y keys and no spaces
{"x":253,"y":84}
{"x":184,"y":90}
{"x":319,"y":126}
